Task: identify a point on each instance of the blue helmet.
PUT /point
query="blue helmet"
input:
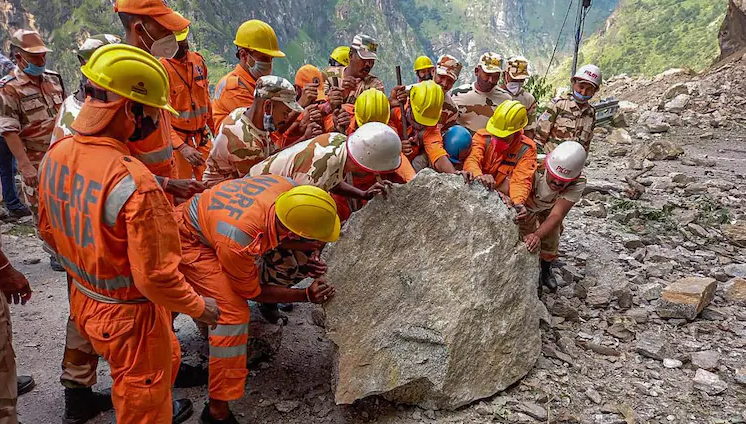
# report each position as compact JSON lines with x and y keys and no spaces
{"x":456,"y":140}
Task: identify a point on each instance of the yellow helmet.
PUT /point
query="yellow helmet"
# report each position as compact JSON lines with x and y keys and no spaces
{"x":509,"y":118}
{"x":372,"y":106}
{"x":181,"y":35}
{"x":423,"y":62}
{"x":130,"y":72}
{"x":258,"y":35}
{"x":426,"y":99}
{"x":309,"y":212}
{"x":342,"y":55}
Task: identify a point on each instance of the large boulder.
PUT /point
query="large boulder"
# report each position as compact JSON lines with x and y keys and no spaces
{"x":436,"y":300}
{"x":732,"y":34}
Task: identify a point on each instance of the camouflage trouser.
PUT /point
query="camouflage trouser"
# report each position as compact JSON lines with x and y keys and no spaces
{"x":420,"y":162}
{"x":8,"y":378}
{"x":79,"y":361}
{"x":284,"y":267}
{"x":31,"y":201}
{"x":550,"y":242}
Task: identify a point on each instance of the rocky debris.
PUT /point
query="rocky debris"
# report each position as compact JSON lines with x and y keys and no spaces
{"x":707,"y":359}
{"x":650,"y":291}
{"x":740,"y":376}
{"x":594,"y":396}
{"x":655,"y":122}
{"x":732,"y":35}
{"x":657,"y":150}
{"x":533,"y":410}
{"x":619,"y":136}
{"x":735,"y":233}
{"x":672,"y":363}
{"x":598,"y":210}
{"x":435,"y":328}
{"x":286,"y":406}
{"x":735,"y":290}
{"x":677,"y":104}
{"x":675,"y":90}
{"x":265,"y":338}
{"x":687,"y":297}
{"x":709,"y":383}
{"x":652,"y":345}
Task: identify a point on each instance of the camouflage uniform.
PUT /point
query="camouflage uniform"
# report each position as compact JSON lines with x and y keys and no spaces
{"x":526,"y":99}
{"x":8,"y":377}
{"x":67,"y":114}
{"x":565,"y":119}
{"x":6,"y":65}
{"x":540,"y":204}
{"x":476,"y":108}
{"x":239,"y":144}
{"x":365,"y":47}
{"x":448,"y":65}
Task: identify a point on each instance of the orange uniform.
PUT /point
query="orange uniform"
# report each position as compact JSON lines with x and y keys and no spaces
{"x":223,"y":231}
{"x":190,"y":96}
{"x":429,"y":139}
{"x":114,"y":231}
{"x":233,"y":91}
{"x":517,"y":162}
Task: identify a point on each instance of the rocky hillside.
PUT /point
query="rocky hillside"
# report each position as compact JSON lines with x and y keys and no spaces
{"x":309,"y":29}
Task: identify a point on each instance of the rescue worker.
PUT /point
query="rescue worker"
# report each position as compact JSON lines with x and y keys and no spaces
{"x":118,"y":240}
{"x":423,"y":68}
{"x":514,"y":78}
{"x":347,"y":83}
{"x":457,"y":142}
{"x":74,"y":102}
{"x":423,"y":143}
{"x":555,"y":190}
{"x":15,"y":289}
{"x":224,"y":232}
{"x":477,"y":102}
{"x":256,"y":48}
{"x":326,"y":160}
{"x":571,"y":117}
{"x":245,"y":138}
{"x":447,"y":72}
{"x":309,"y":89}
{"x":340,"y":57}
{"x":30,"y":97}
{"x":502,"y":158}
{"x":190,"y":95}
{"x":150,"y":25}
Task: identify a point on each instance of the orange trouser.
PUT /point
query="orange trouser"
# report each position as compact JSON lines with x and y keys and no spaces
{"x":228,"y":341}
{"x":142,"y":352}
{"x":185,"y":170}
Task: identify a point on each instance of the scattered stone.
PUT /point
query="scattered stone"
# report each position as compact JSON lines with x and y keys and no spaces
{"x":698,"y":230}
{"x":680,"y":179}
{"x":603,"y":350}
{"x":709,"y":383}
{"x":594,"y":396}
{"x":617,"y":152}
{"x":659,"y":150}
{"x":672,"y":363}
{"x":624,"y":297}
{"x":416,"y":336}
{"x":619,"y":120}
{"x":686,"y":297}
{"x":676,"y":90}
{"x":621,"y":332}
{"x":286,"y":406}
{"x":638,"y":315}
{"x":735,"y":290}
{"x":735,"y":233}
{"x":650,"y":291}
{"x":567,"y":345}
{"x":677,"y":104}
{"x":707,"y":359}
{"x":562,"y":309}
{"x":484,"y":409}
{"x":571,"y":273}
{"x":740,"y":376}
{"x":598,"y":210}
{"x":631,"y":241}
{"x":652,"y":345}
{"x":619,"y":136}
{"x":655,"y":122}
{"x":599,"y":296}
{"x":265,"y":338}
{"x":31,"y":261}
{"x":533,"y":410}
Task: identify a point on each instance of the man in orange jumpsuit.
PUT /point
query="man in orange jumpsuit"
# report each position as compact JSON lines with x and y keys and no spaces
{"x":502,"y":157}
{"x":190,"y":96}
{"x":114,"y":231}
{"x":257,"y":46}
{"x":224,"y":231}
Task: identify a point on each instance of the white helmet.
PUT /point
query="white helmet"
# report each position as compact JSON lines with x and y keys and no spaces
{"x":566,"y":161}
{"x":375,"y":147}
{"x":590,"y":73}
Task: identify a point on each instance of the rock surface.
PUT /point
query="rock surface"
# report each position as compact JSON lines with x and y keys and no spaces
{"x":425,"y":325}
{"x":687,"y":297}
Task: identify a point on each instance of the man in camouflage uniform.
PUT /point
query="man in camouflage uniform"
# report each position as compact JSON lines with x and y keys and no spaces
{"x":447,"y":71}
{"x":515,"y":76}
{"x":570,"y":117}
{"x":8,"y":170}
{"x":73,"y":103}
{"x":477,"y":102}
{"x":346,"y":83}
{"x":247,"y":136}
{"x":30,"y":98}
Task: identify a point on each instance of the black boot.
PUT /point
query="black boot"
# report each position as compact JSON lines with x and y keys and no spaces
{"x":55,"y":264}
{"x":183,"y":409}
{"x":286,"y":307}
{"x":26,"y":383}
{"x":190,"y":376}
{"x":206,"y":418}
{"x":84,"y":404}
{"x":547,"y":278}
{"x":271,"y":313}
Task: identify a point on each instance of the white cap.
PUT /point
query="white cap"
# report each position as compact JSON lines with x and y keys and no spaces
{"x":590,"y":73}
{"x":375,"y":147}
{"x":566,"y":161}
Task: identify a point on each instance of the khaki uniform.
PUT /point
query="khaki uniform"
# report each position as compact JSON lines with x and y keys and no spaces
{"x":30,"y":110}
{"x":238,"y":146}
{"x":565,"y":119}
{"x":8,"y":377}
{"x":476,"y":108}
{"x":68,"y":112}
{"x":334,"y":76}
{"x":540,"y":204}
{"x":449,"y":116}
{"x":527,"y":99}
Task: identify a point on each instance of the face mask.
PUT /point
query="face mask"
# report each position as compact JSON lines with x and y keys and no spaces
{"x":166,"y":47}
{"x":514,"y":87}
{"x":261,"y":69}
{"x":269,"y":122}
{"x":581,"y":98}
{"x":145,"y":125}
{"x":33,"y":70}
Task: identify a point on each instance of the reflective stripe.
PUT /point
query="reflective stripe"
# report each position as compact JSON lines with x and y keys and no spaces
{"x":230,"y":330}
{"x":111,"y":284}
{"x":234,"y":233}
{"x":189,"y":114}
{"x":194,"y":219}
{"x":106,"y":299}
{"x":116,"y":199}
{"x":523,"y":151}
{"x":156,"y":157}
{"x":227,"y":352}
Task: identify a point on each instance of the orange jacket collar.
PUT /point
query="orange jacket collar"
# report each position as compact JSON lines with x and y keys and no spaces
{"x":102,"y":141}
{"x":243,"y":73}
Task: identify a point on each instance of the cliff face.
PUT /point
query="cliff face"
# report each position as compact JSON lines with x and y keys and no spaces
{"x":732,"y":36}
{"x":310,"y":29}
